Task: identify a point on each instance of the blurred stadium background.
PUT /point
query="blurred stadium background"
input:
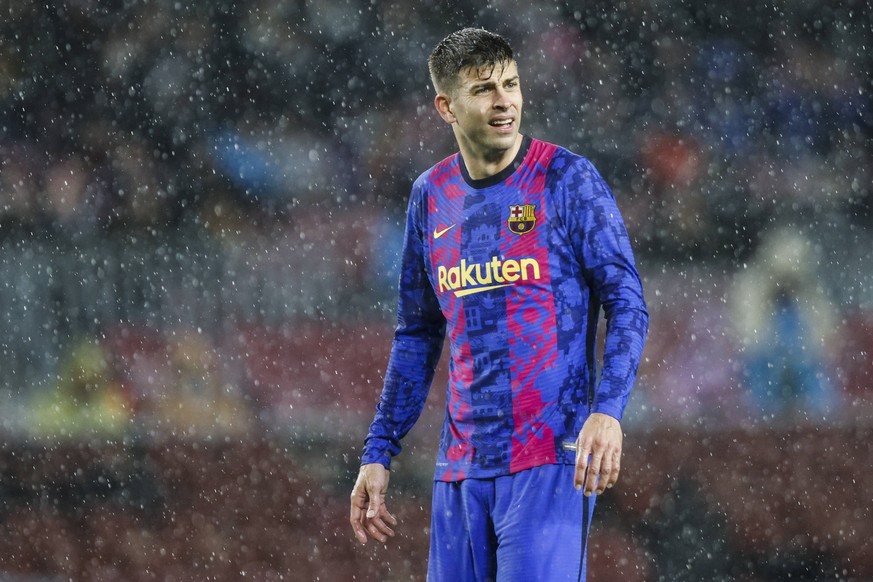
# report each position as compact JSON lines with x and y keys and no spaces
{"x":201,"y":206}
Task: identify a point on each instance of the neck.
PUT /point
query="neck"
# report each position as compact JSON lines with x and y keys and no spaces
{"x":484,"y":164}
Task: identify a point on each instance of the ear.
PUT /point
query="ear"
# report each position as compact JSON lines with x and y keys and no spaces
{"x":443,"y":104}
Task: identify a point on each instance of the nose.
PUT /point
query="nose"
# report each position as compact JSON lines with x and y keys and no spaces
{"x":502,"y":100}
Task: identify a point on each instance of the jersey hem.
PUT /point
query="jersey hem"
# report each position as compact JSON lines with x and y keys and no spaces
{"x":503,"y":472}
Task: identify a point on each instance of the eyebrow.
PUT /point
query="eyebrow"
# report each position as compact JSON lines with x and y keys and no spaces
{"x":491,"y":83}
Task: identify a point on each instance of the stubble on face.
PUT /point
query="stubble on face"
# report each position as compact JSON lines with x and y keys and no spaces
{"x":487,"y":107}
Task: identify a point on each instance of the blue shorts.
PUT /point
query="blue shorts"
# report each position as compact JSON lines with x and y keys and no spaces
{"x":532,"y":525}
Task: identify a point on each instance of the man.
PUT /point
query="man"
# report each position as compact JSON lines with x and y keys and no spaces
{"x":512,"y":247}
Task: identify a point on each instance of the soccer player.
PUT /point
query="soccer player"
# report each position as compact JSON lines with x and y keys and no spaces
{"x":512,"y":248}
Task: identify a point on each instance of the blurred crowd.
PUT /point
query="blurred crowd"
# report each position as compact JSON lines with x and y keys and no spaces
{"x":729,"y":134}
{"x":709,"y":122}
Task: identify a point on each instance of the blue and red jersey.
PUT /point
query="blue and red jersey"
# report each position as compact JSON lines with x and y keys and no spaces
{"x":515,"y":269}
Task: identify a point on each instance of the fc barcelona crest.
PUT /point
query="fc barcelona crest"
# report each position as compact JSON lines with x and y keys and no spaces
{"x":522,"y":218}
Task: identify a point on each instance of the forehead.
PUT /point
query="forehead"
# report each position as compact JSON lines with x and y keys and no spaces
{"x":495,"y":73}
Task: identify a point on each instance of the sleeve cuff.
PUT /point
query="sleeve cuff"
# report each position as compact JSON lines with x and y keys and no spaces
{"x":374,"y":456}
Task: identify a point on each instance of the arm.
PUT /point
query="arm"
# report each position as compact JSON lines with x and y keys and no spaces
{"x":602,"y":244}
{"x":415,"y":351}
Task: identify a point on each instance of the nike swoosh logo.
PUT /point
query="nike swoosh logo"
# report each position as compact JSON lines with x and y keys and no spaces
{"x":438,"y":233}
{"x":465,"y":292}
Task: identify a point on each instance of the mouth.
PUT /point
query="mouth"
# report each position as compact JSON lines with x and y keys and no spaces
{"x":502,"y":124}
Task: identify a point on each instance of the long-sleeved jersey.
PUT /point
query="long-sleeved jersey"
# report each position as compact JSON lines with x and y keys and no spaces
{"x":515,"y":269}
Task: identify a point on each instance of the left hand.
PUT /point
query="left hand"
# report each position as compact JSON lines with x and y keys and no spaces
{"x":600,"y":439}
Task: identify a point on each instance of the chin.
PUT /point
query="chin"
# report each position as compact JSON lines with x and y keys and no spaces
{"x":506,"y":142}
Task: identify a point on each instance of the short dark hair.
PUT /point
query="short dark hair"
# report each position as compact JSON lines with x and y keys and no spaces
{"x":463,"y":49}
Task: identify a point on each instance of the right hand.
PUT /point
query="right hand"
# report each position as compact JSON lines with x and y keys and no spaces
{"x":369,"y":514}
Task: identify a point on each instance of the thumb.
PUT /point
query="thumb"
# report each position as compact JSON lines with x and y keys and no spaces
{"x":375,"y":502}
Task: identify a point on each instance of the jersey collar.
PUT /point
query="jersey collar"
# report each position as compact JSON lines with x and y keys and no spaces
{"x":502,"y":174}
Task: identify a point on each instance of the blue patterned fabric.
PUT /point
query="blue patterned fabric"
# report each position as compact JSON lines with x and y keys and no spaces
{"x":514,"y":270}
{"x":480,"y":531}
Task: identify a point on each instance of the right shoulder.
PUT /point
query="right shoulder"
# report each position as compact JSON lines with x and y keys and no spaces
{"x":434,"y":176}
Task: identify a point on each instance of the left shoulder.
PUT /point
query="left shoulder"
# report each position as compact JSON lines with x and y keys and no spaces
{"x":574,"y":173}
{"x":563,"y":161}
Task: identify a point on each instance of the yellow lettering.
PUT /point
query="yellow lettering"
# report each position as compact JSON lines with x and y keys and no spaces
{"x":469,"y":278}
{"x":454,"y":278}
{"x":441,"y":278}
{"x":467,"y":274}
{"x":495,"y":270}
{"x":487,"y":278}
{"x":510,"y":270}
{"x":533,"y":264}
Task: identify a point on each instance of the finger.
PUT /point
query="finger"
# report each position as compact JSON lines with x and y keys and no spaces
{"x":357,"y":520}
{"x":593,"y":473}
{"x":616,"y":469}
{"x":375,"y":533}
{"x":579,"y":475}
{"x":375,"y":505}
{"x":388,"y":516}
{"x":379,"y":524}
{"x":356,"y":516}
{"x":383,"y":519}
{"x":581,"y":465}
{"x":604,"y":473}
